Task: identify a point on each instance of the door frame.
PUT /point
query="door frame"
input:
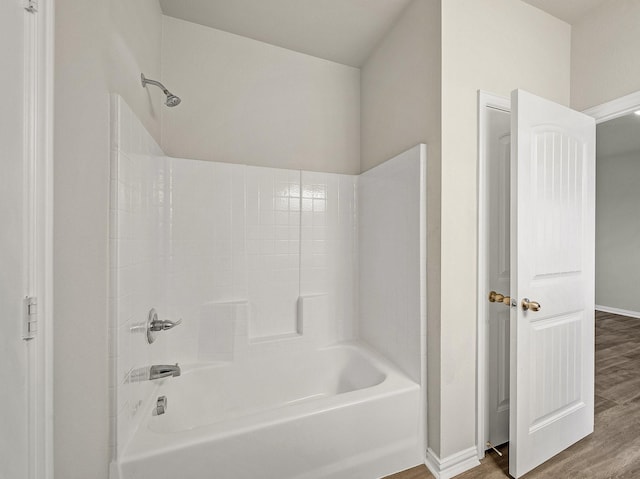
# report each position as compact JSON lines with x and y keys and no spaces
{"x":39,"y":173}
{"x":603,"y":112}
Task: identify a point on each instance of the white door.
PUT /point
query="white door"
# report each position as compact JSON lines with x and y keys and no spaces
{"x":14,"y":398}
{"x":552,"y":264}
{"x":498,"y":237}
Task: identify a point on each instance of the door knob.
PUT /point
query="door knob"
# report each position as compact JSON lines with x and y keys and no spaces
{"x":499,"y":298}
{"x":530,"y":305}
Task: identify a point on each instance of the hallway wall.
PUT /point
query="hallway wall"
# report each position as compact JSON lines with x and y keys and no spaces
{"x":618,"y":231}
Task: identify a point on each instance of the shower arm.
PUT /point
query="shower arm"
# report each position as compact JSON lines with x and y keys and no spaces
{"x":145,"y":81}
{"x":171,"y":101}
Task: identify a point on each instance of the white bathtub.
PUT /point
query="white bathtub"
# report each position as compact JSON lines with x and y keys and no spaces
{"x":339,"y":412}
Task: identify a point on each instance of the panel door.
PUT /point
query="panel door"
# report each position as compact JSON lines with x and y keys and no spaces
{"x":552,"y":279}
{"x":13,"y":273}
{"x":498,"y":185}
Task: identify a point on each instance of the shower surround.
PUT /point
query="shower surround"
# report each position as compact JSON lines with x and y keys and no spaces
{"x":267,"y":268}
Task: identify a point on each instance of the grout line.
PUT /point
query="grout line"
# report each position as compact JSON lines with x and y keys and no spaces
{"x":299,"y":234}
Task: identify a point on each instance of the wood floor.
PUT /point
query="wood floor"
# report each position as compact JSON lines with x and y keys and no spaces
{"x":613,"y":450}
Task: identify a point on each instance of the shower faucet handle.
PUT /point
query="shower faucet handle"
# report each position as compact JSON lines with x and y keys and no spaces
{"x":155,"y":325}
{"x":163,"y":324}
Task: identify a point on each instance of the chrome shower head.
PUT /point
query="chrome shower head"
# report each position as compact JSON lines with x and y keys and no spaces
{"x":171,"y":101}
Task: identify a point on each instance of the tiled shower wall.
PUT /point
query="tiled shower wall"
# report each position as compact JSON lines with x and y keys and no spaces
{"x":392,"y":249}
{"x":252,"y":259}
{"x":256,"y":261}
{"x":138,"y":262}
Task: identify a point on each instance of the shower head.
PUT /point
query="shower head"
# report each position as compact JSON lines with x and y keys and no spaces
{"x":171,"y":101}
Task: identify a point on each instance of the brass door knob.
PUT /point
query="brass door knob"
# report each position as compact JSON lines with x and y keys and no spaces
{"x":530,"y":305}
{"x":499,"y":298}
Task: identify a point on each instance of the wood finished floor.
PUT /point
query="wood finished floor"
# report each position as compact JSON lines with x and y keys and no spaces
{"x":613,"y":450}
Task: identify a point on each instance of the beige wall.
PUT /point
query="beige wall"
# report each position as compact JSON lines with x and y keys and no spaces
{"x":135,"y":37}
{"x":494,"y":45}
{"x":604,"y":56}
{"x":249,"y":102}
{"x":400,"y":88}
{"x":92,"y":58}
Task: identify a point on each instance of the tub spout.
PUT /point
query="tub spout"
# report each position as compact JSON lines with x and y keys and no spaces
{"x":163,"y":370}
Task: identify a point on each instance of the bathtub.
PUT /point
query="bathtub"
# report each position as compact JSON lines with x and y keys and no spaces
{"x":338,"y":412}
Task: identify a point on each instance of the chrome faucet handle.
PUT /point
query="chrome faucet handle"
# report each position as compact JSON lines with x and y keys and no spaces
{"x":154,"y":325}
{"x":163,"y":324}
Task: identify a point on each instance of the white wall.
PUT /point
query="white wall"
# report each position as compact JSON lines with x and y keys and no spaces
{"x":90,"y":53}
{"x":401,"y":91}
{"x":391,"y":263}
{"x":494,"y":45}
{"x":252,"y":103}
{"x":15,"y":280}
{"x":618,"y":231}
{"x":604,"y":51}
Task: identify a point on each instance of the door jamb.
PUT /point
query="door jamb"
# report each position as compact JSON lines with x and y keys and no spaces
{"x":603,"y":112}
{"x":39,"y":128}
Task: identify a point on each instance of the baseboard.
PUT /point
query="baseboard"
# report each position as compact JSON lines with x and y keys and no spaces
{"x":452,"y":465}
{"x":621,"y":312}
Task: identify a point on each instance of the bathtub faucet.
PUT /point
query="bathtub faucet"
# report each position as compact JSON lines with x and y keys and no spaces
{"x":163,"y":370}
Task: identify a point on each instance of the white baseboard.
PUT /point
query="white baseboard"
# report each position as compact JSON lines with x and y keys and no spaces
{"x":621,"y":312}
{"x":452,"y":465}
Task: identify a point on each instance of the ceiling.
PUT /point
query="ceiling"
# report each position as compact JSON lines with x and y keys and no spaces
{"x":344,"y":31}
{"x":568,"y":10}
{"x":618,"y":136}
